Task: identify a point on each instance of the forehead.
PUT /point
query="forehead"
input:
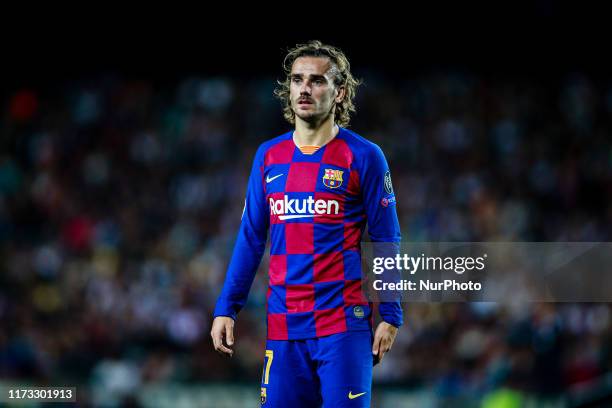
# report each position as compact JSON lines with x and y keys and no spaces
{"x":311,"y":66}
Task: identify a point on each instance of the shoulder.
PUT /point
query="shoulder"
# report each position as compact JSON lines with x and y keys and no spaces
{"x":274,"y":145}
{"x":363,"y":149}
{"x":268,"y":144}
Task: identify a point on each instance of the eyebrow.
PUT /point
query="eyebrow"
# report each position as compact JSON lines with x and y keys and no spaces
{"x":312,"y":76}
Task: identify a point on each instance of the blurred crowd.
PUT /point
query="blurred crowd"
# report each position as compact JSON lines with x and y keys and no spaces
{"x":120,"y":201}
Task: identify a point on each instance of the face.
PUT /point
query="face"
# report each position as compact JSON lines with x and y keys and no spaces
{"x":312,"y":89}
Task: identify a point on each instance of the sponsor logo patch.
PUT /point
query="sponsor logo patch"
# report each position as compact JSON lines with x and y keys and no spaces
{"x":287,"y":209}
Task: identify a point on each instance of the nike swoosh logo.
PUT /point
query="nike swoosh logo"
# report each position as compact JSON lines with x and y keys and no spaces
{"x":353,"y":396}
{"x":269,"y":179}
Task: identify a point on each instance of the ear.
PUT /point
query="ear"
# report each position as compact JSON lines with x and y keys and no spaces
{"x":341,"y":92}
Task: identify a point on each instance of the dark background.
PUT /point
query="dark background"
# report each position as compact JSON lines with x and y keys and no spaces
{"x":496,"y":123}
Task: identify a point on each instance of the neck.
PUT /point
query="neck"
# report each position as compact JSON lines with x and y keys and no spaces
{"x":314,"y":134}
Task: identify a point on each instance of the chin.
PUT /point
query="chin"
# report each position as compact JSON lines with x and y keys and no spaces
{"x":308,"y":118}
{"x":305,"y":115}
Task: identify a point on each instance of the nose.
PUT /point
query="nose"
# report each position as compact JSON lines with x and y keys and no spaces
{"x":305,"y":88}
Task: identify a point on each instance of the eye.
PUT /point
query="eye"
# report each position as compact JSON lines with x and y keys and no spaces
{"x":296,"y":80}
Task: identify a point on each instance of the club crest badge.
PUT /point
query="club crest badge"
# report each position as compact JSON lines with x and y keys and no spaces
{"x":332,"y":178}
{"x":263,"y":395}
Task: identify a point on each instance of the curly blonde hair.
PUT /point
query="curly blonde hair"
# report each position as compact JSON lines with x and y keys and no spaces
{"x":341,"y":69}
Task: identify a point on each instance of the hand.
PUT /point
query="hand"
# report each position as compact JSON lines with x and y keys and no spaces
{"x":383,"y":340}
{"x":223,"y":326}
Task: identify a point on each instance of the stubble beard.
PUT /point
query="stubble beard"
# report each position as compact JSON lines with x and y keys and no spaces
{"x":314,"y":118}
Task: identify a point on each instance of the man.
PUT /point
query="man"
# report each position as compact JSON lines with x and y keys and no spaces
{"x":315,"y":188}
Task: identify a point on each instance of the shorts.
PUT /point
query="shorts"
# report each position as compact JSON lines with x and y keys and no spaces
{"x":331,"y":372}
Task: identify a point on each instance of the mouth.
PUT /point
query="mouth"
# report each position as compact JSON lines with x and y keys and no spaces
{"x":304,"y":102}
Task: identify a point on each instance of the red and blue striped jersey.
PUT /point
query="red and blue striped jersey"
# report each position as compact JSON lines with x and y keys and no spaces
{"x":316,"y":207}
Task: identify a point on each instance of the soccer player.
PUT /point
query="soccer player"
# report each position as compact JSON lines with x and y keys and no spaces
{"x":314,"y":188}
